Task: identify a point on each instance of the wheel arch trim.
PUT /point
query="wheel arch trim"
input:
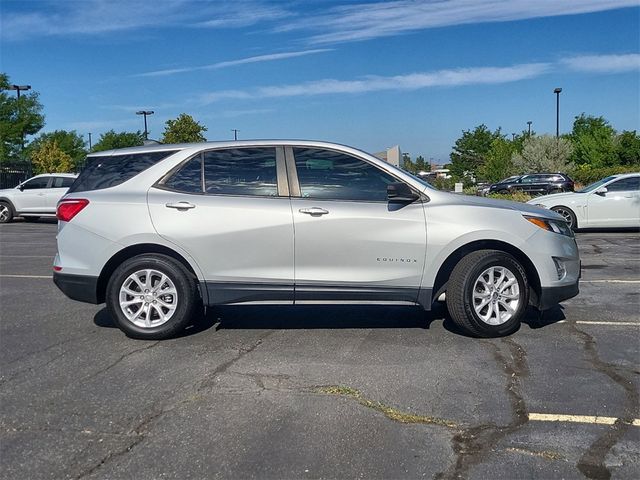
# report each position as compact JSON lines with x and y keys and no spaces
{"x":141,"y":249}
{"x":447,"y":266}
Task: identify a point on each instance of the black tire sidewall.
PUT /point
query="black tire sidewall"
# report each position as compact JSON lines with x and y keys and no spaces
{"x":574,"y":222}
{"x":11,"y":213}
{"x":181,"y":278}
{"x":498,"y":259}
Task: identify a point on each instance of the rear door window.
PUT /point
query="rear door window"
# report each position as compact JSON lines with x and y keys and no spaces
{"x":109,"y":171}
{"x":62,"y":182}
{"x":241,"y":171}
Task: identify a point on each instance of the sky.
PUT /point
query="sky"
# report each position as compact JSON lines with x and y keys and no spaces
{"x":363,"y":73}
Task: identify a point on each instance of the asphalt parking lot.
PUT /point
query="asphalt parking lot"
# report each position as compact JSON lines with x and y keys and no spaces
{"x":319,"y":392}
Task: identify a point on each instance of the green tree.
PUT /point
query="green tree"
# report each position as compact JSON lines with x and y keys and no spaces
{"x":407,"y":164}
{"x":50,"y":158}
{"x":70,"y":142}
{"x":498,"y":164}
{"x":18,"y":118}
{"x":111,"y":140}
{"x":628,"y":148}
{"x":470,"y":150}
{"x":543,"y":154}
{"x":183,"y":129}
{"x":421,"y":164}
{"x":593,"y":142}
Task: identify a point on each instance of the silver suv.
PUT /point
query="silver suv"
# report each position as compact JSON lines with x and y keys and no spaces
{"x":158,"y":231}
{"x":34,"y":198}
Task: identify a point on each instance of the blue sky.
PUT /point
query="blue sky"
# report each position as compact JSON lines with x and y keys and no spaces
{"x":368,"y":74}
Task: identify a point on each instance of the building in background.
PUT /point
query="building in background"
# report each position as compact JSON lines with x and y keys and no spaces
{"x":392,"y":155}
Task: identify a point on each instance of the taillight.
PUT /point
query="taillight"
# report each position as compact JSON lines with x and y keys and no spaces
{"x":69,"y":208}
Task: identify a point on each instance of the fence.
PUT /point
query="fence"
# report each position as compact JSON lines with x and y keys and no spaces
{"x":11,"y":174}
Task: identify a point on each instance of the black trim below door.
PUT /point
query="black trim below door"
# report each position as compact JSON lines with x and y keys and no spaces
{"x":220,"y":293}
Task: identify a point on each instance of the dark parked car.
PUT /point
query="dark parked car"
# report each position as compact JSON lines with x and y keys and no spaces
{"x":534,"y":184}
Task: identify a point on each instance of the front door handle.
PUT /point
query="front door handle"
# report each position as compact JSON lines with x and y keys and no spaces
{"x":314,"y":211}
{"x":180,"y":205}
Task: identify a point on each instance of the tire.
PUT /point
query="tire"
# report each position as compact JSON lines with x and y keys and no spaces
{"x":152,"y":315}
{"x":31,"y":219}
{"x":504,"y":192}
{"x":568,"y":215}
{"x":555,"y":190}
{"x":465,"y":288}
{"x":6,"y":212}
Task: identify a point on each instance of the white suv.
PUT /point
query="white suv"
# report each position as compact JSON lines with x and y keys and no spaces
{"x":34,"y":198}
{"x":157,"y":231}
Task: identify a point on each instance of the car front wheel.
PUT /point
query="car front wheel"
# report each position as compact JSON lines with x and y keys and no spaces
{"x":568,"y":215}
{"x":488,"y":293}
{"x":6,"y":213}
{"x":152,"y":297}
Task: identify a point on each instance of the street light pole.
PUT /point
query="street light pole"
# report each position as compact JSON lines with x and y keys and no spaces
{"x":235,"y":133}
{"x":145,"y":113}
{"x":18,"y":89}
{"x":89,"y":140}
{"x":529,"y":124}
{"x":557,"y":92}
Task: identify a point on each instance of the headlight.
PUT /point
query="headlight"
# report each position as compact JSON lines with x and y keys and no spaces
{"x":552,"y":225}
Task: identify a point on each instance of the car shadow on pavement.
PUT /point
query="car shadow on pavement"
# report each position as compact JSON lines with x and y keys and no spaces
{"x":289,"y":317}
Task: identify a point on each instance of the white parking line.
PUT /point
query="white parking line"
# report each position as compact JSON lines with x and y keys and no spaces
{"x":27,"y":276}
{"x":609,"y":281}
{"x":593,"y":419}
{"x":602,"y":322}
{"x":27,"y":256}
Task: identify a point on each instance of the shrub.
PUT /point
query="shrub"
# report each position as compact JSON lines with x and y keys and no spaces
{"x":585,"y":174}
{"x":516,"y":196}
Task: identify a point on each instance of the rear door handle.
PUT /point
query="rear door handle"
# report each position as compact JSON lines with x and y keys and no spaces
{"x":180,"y":205}
{"x":314,"y":211}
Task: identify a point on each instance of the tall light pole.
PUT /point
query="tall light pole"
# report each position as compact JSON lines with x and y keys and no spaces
{"x":557,"y":92}
{"x":145,"y":113}
{"x":529,"y":124}
{"x":235,"y":133}
{"x":18,"y":89}
{"x":89,"y":140}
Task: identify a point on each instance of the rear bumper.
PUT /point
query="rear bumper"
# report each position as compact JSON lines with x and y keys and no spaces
{"x":77,"y":287}
{"x":551,"y":296}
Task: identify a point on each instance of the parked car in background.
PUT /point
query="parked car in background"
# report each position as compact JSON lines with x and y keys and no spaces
{"x":34,"y":198}
{"x":158,"y":231}
{"x":611,"y":202}
{"x":534,"y":184}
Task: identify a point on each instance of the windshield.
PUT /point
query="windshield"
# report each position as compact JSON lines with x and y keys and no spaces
{"x":509,"y":179}
{"x":596,"y":185}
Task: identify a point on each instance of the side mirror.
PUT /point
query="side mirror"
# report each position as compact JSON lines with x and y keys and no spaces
{"x":401,"y":192}
{"x":21,"y":187}
{"x":602,"y":191}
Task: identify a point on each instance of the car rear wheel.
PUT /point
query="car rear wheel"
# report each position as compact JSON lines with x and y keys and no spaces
{"x":6,"y":212}
{"x":568,"y":215}
{"x":488,"y":293}
{"x":504,"y":192}
{"x":152,"y":297}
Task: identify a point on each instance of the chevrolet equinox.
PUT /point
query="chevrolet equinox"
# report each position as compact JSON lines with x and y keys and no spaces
{"x":157,"y":232}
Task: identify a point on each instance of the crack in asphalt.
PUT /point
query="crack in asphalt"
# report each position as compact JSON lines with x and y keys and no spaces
{"x":591,"y":463}
{"x":142,"y":429}
{"x":17,"y":373}
{"x":48,"y":347}
{"x":473,"y":445}
{"x":122,"y":357}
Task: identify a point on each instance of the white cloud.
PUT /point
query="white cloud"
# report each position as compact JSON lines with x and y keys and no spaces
{"x":413,"y":81}
{"x":91,"y":17}
{"x":214,"y":66}
{"x":365,"y":21}
{"x":604,"y":63}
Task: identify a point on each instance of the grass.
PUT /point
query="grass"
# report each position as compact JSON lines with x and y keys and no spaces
{"x":389,"y":412}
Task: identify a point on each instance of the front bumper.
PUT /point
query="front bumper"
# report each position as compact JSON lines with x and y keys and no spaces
{"x":551,"y":296}
{"x":77,"y":287}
